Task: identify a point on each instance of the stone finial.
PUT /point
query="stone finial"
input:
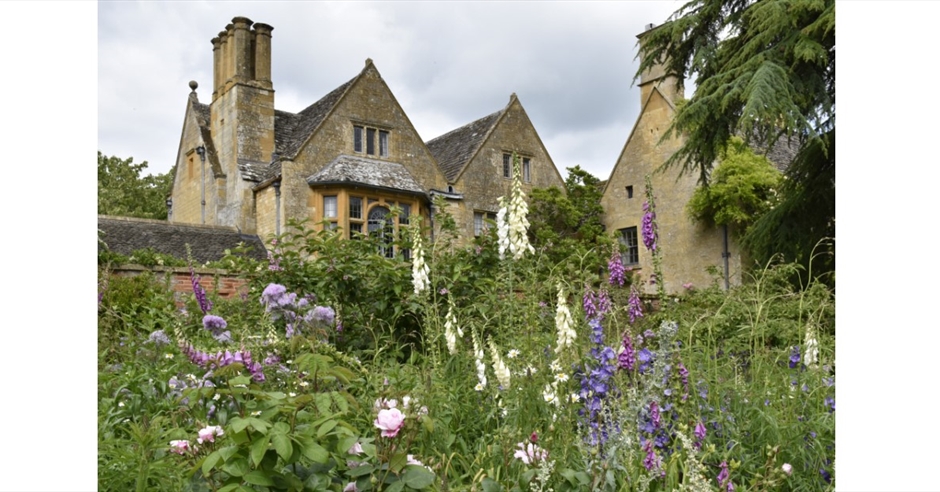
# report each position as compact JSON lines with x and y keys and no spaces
{"x":368,"y":61}
{"x":193,"y":85}
{"x":512,"y":96}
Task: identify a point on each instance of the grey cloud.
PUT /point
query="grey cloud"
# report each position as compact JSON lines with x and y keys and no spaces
{"x":571,"y":64}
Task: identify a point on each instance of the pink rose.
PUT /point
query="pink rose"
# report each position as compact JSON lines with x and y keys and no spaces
{"x":179,"y":447}
{"x":390,"y":421}
{"x":209,"y":433}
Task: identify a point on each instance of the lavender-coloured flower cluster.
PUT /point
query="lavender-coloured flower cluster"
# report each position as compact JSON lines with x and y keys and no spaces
{"x":298,"y":313}
{"x":222,"y":359}
{"x":596,"y":387}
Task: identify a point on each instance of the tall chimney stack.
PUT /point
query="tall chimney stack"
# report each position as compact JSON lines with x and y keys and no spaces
{"x":656,"y":76}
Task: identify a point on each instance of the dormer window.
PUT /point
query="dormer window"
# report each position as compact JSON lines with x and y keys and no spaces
{"x":364,"y":139}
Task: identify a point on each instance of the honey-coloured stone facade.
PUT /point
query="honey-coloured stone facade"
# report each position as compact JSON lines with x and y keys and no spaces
{"x":688,"y":249}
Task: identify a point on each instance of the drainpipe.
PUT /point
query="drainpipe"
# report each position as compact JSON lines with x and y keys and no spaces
{"x":201,"y":150}
{"x":169,"y":209}
{"x":725,"y":254}
{"x":431,"y":219}
{"x":277,"y":207}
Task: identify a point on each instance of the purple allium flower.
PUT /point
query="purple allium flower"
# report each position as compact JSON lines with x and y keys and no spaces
{"x":649,"y":227}
{"x":158,"y":338}
{"x":627,"y":358}
{"x":795,"y":356}
{"x":214,"y":323}
{"x":830,"y":404}
{"x":616,"y":274}
{"x":825,"y":474}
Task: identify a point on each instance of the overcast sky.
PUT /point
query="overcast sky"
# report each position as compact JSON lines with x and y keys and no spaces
{"x":570,"y":64}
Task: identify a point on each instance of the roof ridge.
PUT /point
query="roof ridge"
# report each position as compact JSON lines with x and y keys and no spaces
{"x":456,"y":148}
{"x":464,"y":126}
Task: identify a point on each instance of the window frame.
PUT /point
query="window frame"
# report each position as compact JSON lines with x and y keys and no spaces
{"x":480,"y":226}
{"x":357,"y":138}
{"x":370,"y":141}
{"x":526,"y":170}
{"x":383,"y":143}
{"x":629,"y":238}
{"x":327,"y":208}
{"x":364,"y":140}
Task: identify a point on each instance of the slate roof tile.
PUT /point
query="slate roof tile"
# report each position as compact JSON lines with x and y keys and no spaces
{"x":125,"y":235}
{"x":455,"y":148}
{"x":369,"y":172}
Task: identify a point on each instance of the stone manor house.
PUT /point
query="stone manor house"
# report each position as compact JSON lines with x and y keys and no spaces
{"x":349,"y":159}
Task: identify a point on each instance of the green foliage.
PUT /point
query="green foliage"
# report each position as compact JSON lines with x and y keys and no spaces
{"x":122,"y":191}
{"x":348,"y":274}
{"x":130,"y":307}
{"x":743,"y":187}
{"x":766,"y":70}
{"x":147,"y":257}
{"x":310,"y":422}
{"x":567,"y":224}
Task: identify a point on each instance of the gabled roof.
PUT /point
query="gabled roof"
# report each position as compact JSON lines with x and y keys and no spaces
{"x":781,"y":154}
{"x":454,"y":149}
{"x":125,"y":235}
{"x":297,"y":130}
{"x":291,"y":131}
{"x":202,"y":119}
{"x":373,"y":173}
{"x":636,"y":123}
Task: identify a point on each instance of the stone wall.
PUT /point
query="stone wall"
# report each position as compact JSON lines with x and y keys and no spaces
{"x":187,"y":187}
{"x":370,"y":103}
{"x":482,"y":182}
{"x":688,"y":249}
{"x":179,"y":280}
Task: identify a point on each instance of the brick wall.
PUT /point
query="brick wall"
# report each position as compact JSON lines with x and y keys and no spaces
{"x":179,"y":280}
